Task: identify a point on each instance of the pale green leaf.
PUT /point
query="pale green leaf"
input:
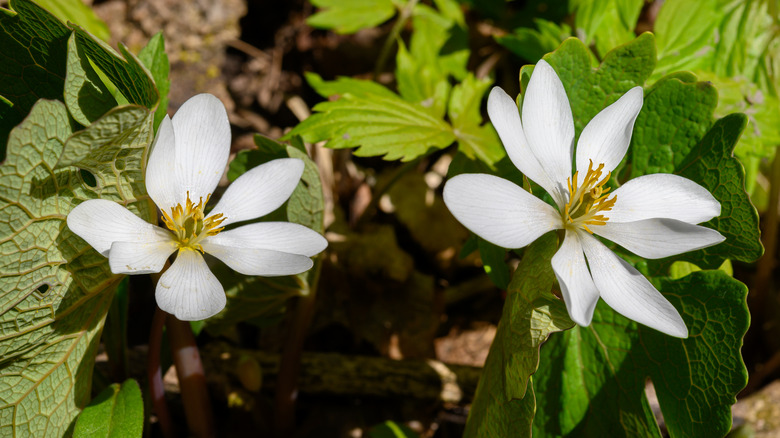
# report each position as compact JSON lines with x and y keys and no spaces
{"x":377,"y":124}
{"x":349,"y":16}
{"x":55,"y":288}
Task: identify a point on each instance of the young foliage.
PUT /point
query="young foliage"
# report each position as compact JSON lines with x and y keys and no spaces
{"x":117,"y":412}
{"x":349,"y":16}
{"x":378,"y":122}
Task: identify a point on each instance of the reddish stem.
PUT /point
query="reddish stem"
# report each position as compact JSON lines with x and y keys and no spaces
{"x":154,"y":373}
{"x":192,"y":380}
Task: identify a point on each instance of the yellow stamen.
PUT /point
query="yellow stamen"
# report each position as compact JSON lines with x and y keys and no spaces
{"x":589,"y":200}
{"x":189,"y":224}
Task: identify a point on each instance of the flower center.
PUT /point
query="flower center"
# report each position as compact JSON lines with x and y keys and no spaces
{"x":588,"y":201}
{"x":189,"y":224}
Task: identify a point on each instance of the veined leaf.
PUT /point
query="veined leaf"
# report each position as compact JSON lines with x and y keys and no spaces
{"x":349,"y":16}
{"x":117,"y":412}
{"x":76,"y":11}
{"x":56,"y":289}
{"x":125,"y":71}
{"x":474,"y":140}
{"x":377,"y":124}
{"x":32,"y":61}
{"x":606,"y":23}
{"x":155,"y":59}
{"x":594,"y":377}
{"x":504,"y":404}
{"x":261,"y":300}
{"x":86,"y":96}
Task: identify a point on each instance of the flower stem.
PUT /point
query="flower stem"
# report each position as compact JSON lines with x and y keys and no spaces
{"x":403,"y":17}
{"x":192,"y":380}
{"x":290,"y":363}
{"x":154,"y":373}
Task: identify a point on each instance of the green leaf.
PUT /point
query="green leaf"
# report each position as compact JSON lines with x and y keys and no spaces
{"x":262,"y":300}
{"x":591,"y":90}
{"x":675,"y":101}
{"x":476,"y":141}
{"x":493,"y":262}
{"x":155,"y":59}
{"x":86,"y":96}
{"x":531,"y":44}
{"x":684,"y":32}
{"x":594,"y":377}
{"x":349,"y":16}
{"x":606,"y":23}
{"x":377,"y":124}
{"x":702,"y":152}
{"x":117,"y":412}
{"x":125,"y":71}
{"x":504,"y":403}
{"x":712,"y":164}
{"x":76,"y":11}
{"x":55,"y":289}
{"x":32,"y":62}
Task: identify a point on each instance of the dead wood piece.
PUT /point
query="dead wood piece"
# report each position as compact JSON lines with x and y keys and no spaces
{"x":338,"y":374}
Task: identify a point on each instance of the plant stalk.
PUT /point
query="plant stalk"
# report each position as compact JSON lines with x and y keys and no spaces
{"x":154,"y":374}
{"x":192,"y":380}
{"x":403,"y":17}
{"x":290,"y":363}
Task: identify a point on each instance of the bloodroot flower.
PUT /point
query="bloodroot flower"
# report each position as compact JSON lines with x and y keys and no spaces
{"x":652,"y":216}
{"x":185,"y":165}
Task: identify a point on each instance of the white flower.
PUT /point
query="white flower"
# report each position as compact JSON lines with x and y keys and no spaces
{"x":186,"y":162}
{"x":652,"y":216}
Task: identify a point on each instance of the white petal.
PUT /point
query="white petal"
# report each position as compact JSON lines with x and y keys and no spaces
{"x":102,"y":222}
{"x":161,"y":181}
{"x":141,"y":257}
{"x":260,"y":190}
{"x":579,"y":292}
{"x":657,"y":238}
{"x":628,"y":292}
{"x":276,"y":236}
{"x":202,"y":146}
{"x":505,"y":117}
{"x":189,"y":290}
{"x":548,"y":122}
{"x":498,"y":210}
{"x":606,"y":137}
{"x":663,"y":195}
{"x":256,"y":261}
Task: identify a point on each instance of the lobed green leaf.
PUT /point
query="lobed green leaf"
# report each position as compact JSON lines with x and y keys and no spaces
{"x":349,"y":16}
